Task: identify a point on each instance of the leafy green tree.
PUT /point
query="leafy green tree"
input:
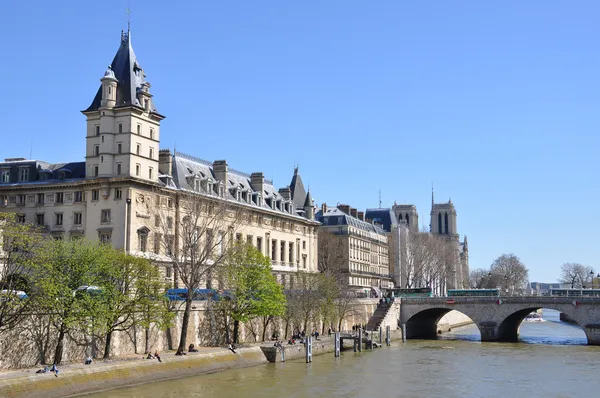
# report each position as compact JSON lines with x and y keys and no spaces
{"x":18,"y":241}
{"x":69,"y":275}
{"x":131,"y":287}
{"x":253,"y":291}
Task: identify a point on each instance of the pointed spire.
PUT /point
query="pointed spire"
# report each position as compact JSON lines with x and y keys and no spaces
{"x":432,"y":198}
{"x":130,"y":76}
{"x":308,"y":201}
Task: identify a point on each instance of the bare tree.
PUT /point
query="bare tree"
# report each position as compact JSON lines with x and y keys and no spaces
{"x":429,"y":261}
{"x":415,"y":260}
{"x":331,"y":259}
{"x":195,"y":232}
{"x":510,"y":273}
{"x":576,"y":274}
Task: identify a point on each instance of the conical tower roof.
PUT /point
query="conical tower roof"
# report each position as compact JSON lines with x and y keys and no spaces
{"x":129,"y":74}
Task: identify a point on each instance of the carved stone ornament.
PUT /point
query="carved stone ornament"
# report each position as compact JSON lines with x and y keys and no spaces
{"x":142,"y":208}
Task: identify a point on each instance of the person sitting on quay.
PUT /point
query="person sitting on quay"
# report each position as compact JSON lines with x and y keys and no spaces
{"x":232,"y":348}
{"x":150,"y":356}
{"x":54,"y":369}
{"x":157,"y":356}
{"x":291,"y":341}
{"x":88,"y":361}
{"x":192,"y":348}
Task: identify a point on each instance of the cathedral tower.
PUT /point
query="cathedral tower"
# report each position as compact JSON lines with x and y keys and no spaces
{"x":443,"y":219}
{"x":407,"y":214}
{"x":122,"y":122}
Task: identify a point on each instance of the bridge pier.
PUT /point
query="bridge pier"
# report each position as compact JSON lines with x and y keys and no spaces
{"x":488,"y":331}
{"x":592,"y":332}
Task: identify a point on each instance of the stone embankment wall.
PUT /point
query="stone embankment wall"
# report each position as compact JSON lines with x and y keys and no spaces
{"x":323,"y":346}
{"x":33,"y":342}
{"x":123,"y":374}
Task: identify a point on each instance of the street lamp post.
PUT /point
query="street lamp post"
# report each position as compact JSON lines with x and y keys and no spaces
{"x":506,"y":283}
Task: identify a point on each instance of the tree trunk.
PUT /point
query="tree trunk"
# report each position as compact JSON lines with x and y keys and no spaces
{"x":147,"y":341}
{"x":265,"y":325}
{"x":58,"y":352}
{"x":236,"y":330}
{"x":107,"y":345}
{"x":185,"y":322}
{"x":287,"y":328}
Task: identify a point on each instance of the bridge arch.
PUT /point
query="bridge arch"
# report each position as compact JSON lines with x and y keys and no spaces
{"x":424,"y":324}
{"x":508,"y":329}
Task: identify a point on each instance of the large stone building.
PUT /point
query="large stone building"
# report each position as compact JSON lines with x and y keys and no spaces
{"x":362,"y":248}
{"x":126,"y":179}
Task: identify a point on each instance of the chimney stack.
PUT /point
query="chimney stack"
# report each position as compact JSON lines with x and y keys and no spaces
{"x":324,"y":208}
{"x":344,"y":208}
{"x":220,"y":170}
{"x":353,"y":212}
{"x":286,"y":193}
{"x":361,"y":215}
{"x":165,"y":162}
{"x":257,"y":182}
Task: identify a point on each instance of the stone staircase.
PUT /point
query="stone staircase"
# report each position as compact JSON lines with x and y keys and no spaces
{"x":378,"y":316}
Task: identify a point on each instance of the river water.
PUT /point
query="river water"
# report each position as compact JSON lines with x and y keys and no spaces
{"x":551,"y":360}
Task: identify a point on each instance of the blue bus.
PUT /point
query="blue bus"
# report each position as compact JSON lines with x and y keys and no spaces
{"x":413,"y":292}
{"x":21,"y":295}
{"x":199,"y":294}
{"x":473,"y":292}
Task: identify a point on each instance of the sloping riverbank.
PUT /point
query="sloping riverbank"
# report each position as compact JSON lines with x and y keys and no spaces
{"x":81,"y":379}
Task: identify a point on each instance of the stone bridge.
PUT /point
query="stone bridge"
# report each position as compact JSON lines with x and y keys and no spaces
{"x":498,"y":319}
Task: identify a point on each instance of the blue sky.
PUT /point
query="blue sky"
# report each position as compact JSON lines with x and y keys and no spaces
{"x":497,"y":103}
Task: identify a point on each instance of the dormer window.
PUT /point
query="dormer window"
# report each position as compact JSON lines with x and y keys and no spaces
{"x":23,"y":174}
{"x":61,"y":175}
{"x":5,"y":175}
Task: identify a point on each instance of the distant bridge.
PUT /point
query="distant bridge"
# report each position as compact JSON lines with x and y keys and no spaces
{"x":498,"y":319}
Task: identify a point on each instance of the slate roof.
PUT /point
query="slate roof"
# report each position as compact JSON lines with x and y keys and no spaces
{"x":297,"y":189}
{"x":334,"y":216}
{"x":385,"y":217}
{"x":186,"y":169}
{"x":129,"y":74}
{"x":41,"y":172}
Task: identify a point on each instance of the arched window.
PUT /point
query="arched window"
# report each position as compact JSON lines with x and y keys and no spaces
{"x":440,"y":223}
{"x":400,"y":217}
{"x":407,"y":220}
{"x":143,"y":239}
{"x":446,"y":223}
